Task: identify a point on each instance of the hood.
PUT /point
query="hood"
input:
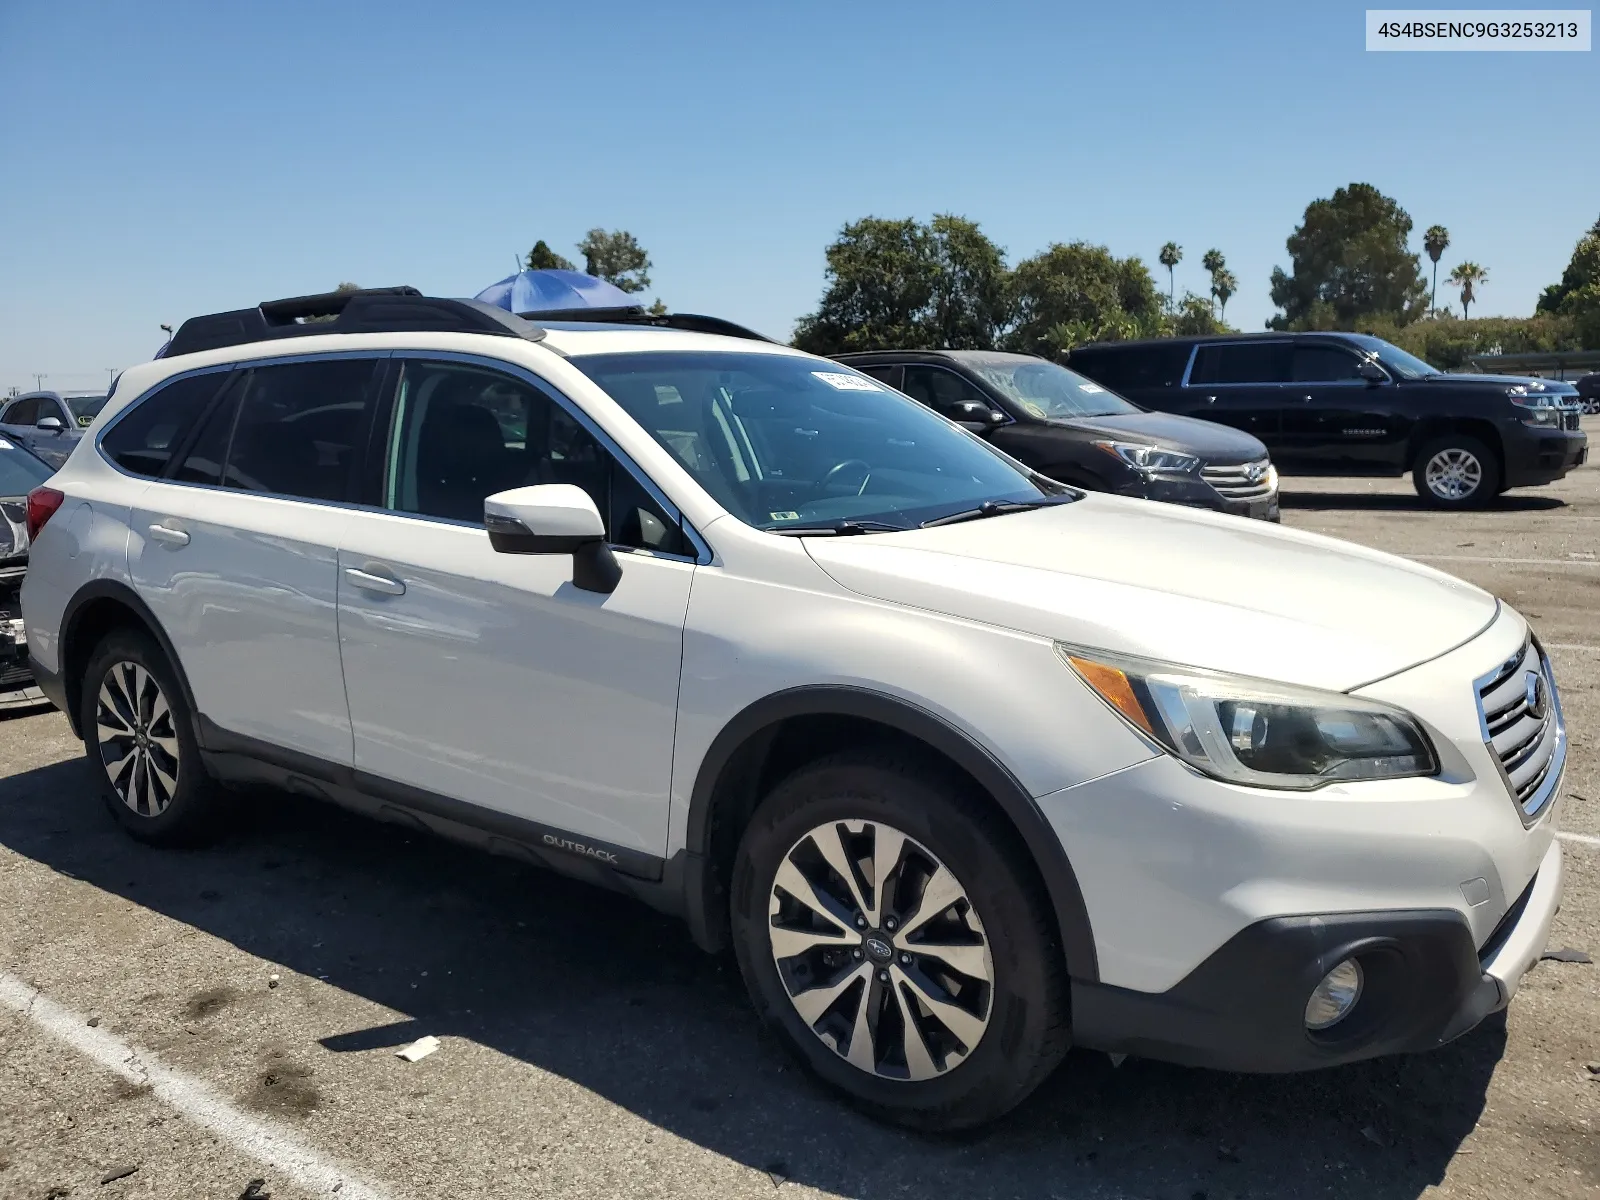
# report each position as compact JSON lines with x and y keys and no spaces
{"x":1554,"y":387}
{"x":1177,"y":584}
{"x":1212,"y":442}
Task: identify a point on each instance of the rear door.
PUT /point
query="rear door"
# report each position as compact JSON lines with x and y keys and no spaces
{"x":1243,"y":384}
{"x":234,"y":549}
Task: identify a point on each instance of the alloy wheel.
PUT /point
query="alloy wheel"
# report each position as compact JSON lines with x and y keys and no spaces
{"x":1453,"y":474}
{"x":137,"y":739}
{"x":880,"y":950}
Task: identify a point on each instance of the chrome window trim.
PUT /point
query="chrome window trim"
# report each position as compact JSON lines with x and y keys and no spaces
{"x":702,"y":556}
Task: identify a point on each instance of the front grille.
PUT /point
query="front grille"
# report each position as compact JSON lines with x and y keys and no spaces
{"x":1520,"y":715}
{"x":1236,"y":483}
{"x":1571,"y":419}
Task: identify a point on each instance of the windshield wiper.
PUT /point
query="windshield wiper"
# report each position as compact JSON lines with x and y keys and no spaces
{"x":994,"y":508}
{"x":838,"y":529}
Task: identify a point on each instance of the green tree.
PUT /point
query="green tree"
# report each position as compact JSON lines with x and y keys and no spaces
{"x":1349,"y":260}
{"x":542,"y":258}
{"x":1171,"y":255}
{"x":901,"y":284}
{"x":1223,"y":286}
{"x":1074,"y":293}
{"x":1193,"y":316}
{"x":1577,"y":296}
{"x":1468,"y":277}
{"x":1214,"y":265}
{"x":1435,"y":242}
{"x":617,"y":258}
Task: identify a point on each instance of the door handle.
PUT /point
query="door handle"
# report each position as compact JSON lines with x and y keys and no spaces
{"x":1306,"y":398}
{"x":385,"y":584}
{"x":168,"y":536}
{"x":1211,"y":399}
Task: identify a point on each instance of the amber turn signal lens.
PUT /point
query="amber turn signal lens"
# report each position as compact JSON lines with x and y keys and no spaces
{"x":1114,"y":689}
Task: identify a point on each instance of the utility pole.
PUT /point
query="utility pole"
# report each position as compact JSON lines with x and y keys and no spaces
{"x":38,"y":381}
{"x":111,"y":373}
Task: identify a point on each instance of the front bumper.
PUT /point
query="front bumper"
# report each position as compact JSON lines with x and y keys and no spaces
{"x":1535,"y":455}
{"x":18,"y":686}
{"x":1197,"y":493}
{"x":1243,"y":1008}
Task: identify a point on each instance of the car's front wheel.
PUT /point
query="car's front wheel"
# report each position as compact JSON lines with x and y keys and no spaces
{"x":139,"y":737}
{"x":1456,"y":471}
{"x":891,"y":932}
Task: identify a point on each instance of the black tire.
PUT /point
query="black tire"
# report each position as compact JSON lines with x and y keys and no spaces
{"x":172,"y":800}
{"x":1027,"y":1030}
{"x":1476,"y":463}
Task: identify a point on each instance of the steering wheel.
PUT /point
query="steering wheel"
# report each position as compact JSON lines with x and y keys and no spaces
{"x":839,"y":468}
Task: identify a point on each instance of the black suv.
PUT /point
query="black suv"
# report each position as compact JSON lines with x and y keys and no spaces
{"x":1075,"y":430}
{"x":1348,"y":404}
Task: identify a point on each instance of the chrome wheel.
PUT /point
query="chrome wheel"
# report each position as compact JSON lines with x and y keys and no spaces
{"x":880,"y":951}
{"x":1453,"y":474}
{"x":137,"y":739}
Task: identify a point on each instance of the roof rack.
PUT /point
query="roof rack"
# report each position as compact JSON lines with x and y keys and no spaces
{"x":367,"y":310}
{"x":635,"y":315}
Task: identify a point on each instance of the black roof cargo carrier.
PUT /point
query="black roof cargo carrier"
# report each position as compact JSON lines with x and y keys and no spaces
{"x":368,"y":310}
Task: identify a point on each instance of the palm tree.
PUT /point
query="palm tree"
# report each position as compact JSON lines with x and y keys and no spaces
{"x":1171,"y":255}
{"x":1469,"y":276}
{"x":1223,"y":286}
{"x":1214,"y":263}
{"x":1436,"y":241}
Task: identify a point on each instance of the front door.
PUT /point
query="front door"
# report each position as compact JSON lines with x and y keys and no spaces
{"x":488,"y":679}
{"x":1336,"y":420}
{"x":1242,"y":384}
{"x":234,"y":549}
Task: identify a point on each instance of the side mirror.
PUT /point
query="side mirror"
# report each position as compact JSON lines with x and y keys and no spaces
{"x":1372,"y":372}
{"x":554,"y":518}
{"x":970,"y":414}
{"x":49,"y":424}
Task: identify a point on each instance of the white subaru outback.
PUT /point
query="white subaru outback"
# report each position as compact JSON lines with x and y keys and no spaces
{"x":964,"y":764}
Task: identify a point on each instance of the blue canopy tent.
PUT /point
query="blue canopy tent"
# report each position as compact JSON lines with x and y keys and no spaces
{"x":551,"y":292}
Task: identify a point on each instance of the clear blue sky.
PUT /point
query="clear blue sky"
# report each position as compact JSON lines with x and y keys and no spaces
{"x":165,"y":159}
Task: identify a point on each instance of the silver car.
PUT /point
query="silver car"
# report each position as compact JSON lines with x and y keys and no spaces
{"x":50,"y":423}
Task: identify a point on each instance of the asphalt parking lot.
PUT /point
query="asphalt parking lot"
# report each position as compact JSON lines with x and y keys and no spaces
{"x":246,"y":1002}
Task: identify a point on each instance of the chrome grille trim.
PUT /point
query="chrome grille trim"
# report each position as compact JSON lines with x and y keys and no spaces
{"x":1231,"y":480}
{"x":1529,"y":751}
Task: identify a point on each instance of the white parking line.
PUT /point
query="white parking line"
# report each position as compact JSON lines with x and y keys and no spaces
{"x":282,"y":1151}
{"x":1583,"y":839}
{"x":1529,"y":562}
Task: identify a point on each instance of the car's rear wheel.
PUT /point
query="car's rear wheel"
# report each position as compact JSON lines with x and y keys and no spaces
{"x":1456,"y":471}
{"x":139,"y":736}
{"x":890,"y":930}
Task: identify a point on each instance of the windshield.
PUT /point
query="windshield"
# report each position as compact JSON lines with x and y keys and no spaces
{"x":85,"y":408}
{"x":1047,"y":391}
{"x":1407,"y":366}
{"x":20,"y":471}
{"x":783,"y":441}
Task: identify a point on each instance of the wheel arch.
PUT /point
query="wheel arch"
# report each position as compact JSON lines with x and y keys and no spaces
{"x":781,"y":732}
{"x":1432,"y":428}
{"x":94,"y":611}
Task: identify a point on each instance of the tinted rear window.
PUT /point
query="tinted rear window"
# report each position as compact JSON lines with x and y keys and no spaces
{"x":1130,"y":368}
{"x":20,"y":472}
{"x":1243,"y":362}
{"x":143,"y":439}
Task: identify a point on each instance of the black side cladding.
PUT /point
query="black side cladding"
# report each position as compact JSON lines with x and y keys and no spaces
{"x":372,"y":310}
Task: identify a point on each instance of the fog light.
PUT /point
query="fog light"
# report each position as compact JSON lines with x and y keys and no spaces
{"x":1333,"y":998}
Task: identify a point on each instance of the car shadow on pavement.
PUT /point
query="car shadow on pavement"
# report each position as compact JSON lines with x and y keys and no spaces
{"x":612,"y":996}
{"x":1406,"y":502}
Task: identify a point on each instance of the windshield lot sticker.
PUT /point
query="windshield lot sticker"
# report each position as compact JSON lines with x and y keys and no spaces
{"x":5,"y":445}
{"x":1033,"y":410}
{"x":1090,"y":387}
{"x":847,"y":383}
{"x":784,"y":516}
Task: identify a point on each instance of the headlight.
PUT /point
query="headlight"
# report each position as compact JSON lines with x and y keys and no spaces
{"x":1255,"y":732}
{"x":1150,"y":458}
{"x":1537,"y":408}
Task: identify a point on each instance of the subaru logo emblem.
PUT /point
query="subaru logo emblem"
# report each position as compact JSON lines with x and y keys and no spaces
{"x":879,"y":950}
{"x":1533,"y":694}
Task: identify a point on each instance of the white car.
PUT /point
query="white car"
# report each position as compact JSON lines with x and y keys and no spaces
{"x":963,"y":764}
